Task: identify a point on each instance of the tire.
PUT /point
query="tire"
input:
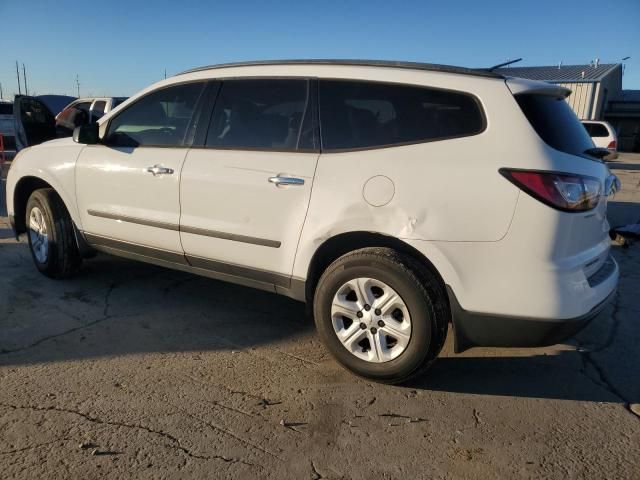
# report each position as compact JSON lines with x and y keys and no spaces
{"x":60,"y":258}
{"x":388,"y":271}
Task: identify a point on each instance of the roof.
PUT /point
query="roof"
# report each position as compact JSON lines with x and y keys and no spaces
{"x":627,"y":96}
{"x":562,"y":73}
{"x":367,"y":63}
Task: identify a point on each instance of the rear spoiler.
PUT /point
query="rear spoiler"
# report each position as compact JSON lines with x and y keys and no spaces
{"x":520,"y":86}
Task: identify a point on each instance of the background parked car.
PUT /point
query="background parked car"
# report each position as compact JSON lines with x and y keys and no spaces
{"x":6,"y":128}
{"x":603,"y":136}
{"x":83,"y":111}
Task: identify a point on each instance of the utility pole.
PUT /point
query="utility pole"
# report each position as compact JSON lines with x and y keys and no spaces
{"x":24,"y":75}
{"x":1,"y":96}
{"x":78,"y":84}
{"x":18,"y":73}
{"x":165,"y":73}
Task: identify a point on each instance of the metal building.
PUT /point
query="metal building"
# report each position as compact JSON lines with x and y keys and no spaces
{"x":592,"y":85}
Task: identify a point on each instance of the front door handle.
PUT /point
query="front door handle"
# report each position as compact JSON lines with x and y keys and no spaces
{"x":279,"y":180}
{"x":159,"y":170}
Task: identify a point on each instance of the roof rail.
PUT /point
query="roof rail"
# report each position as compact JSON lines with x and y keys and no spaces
{"x":364,"y":63}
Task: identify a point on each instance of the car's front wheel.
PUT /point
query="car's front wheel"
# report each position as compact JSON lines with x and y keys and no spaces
{"x":50,"y":233}
{"x":381,"y":314}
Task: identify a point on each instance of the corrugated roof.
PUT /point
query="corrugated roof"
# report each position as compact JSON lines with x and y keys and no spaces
{"x":566,"y":73}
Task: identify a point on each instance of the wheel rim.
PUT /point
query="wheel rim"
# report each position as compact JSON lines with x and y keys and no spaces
{"x":38,"y":235}
{"x":371,"y":320}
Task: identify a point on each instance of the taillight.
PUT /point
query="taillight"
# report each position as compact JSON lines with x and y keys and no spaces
{"x":612,"y":145}
{"x":565,"y":191}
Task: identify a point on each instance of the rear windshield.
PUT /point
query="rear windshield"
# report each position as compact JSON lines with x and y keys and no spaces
{"x":555,"y":122}
{"x":596,"y":129}
{"x":6,"y":108}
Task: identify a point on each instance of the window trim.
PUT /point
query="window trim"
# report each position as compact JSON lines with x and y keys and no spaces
{"x":205,"y":84}
{"x":313,"y":103}
{"x":474,"y":97}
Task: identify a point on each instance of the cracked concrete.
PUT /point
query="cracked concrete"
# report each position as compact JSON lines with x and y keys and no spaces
{"x":132,"y":371}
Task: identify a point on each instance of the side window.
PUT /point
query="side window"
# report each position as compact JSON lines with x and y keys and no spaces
{"x":161,"y":118}
{"x":597,"y":130}
{"x":98,"y":110}
{"x":80,"y":114}
{"x":265,"y":114}
{"x":359,"y":115}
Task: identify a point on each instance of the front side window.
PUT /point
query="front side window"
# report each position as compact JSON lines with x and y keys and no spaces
{"x":262,"y":114}
{"x":360,"y":115}
{"x":161,"y":118}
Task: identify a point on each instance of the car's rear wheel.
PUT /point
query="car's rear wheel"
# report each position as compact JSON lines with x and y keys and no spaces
{"x":381,"y":314}
{"x":50,"y":233}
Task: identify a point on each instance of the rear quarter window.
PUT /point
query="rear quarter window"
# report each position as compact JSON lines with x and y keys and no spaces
{"x":363,"y":115}
{"x":555,"y":122}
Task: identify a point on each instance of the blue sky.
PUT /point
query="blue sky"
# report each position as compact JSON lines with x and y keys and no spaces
{"x":118,"y":47}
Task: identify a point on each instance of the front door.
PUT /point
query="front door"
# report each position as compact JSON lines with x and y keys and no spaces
{"x":33,"y":122}
{"x":245,"y":194}
{"x":128,"y":186}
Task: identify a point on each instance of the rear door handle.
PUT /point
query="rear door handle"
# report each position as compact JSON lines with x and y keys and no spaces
{"x":159,"y":170}
{"x":279,"y":180}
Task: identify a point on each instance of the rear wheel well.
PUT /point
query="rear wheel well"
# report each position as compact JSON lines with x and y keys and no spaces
{"x":25,"y":187}
{"x":335,"y":247}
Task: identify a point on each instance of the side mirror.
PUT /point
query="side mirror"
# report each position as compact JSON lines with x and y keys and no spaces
{"x":87,"y":134}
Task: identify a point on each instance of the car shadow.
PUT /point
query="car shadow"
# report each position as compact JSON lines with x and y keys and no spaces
{"x":120,"y":307}
{"x":613,"y":165}
{"x":116,"y":307}
{"x":563,"y":376}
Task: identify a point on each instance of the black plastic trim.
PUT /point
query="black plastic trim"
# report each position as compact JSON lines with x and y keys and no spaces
{"x":12,"y":223}
{"x":142,"y":250}
{"x":473,"y":329}
{"x":231,"y":236}
{"x":136,"y":220}
{"x":198,"y":265}
{"x":239,"y":271}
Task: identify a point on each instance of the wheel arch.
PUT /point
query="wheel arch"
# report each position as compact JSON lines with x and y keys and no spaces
{"x":21,"y":193}
{"x":338,"y":245}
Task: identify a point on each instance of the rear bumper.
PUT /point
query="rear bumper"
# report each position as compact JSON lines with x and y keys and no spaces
{"x":482,"y":330}
{"x":612,"y":156}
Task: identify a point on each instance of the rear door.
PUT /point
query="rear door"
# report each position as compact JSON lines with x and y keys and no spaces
{"x":128,"y":185}
{"x":33,"y":122}
{"x":245,"y":192}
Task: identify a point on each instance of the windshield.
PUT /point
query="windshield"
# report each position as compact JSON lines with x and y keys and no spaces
{"x":554,"y":120}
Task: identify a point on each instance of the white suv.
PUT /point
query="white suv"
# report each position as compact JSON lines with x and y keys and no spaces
{"x":392,"y":197}
{"x":603,"y":136}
